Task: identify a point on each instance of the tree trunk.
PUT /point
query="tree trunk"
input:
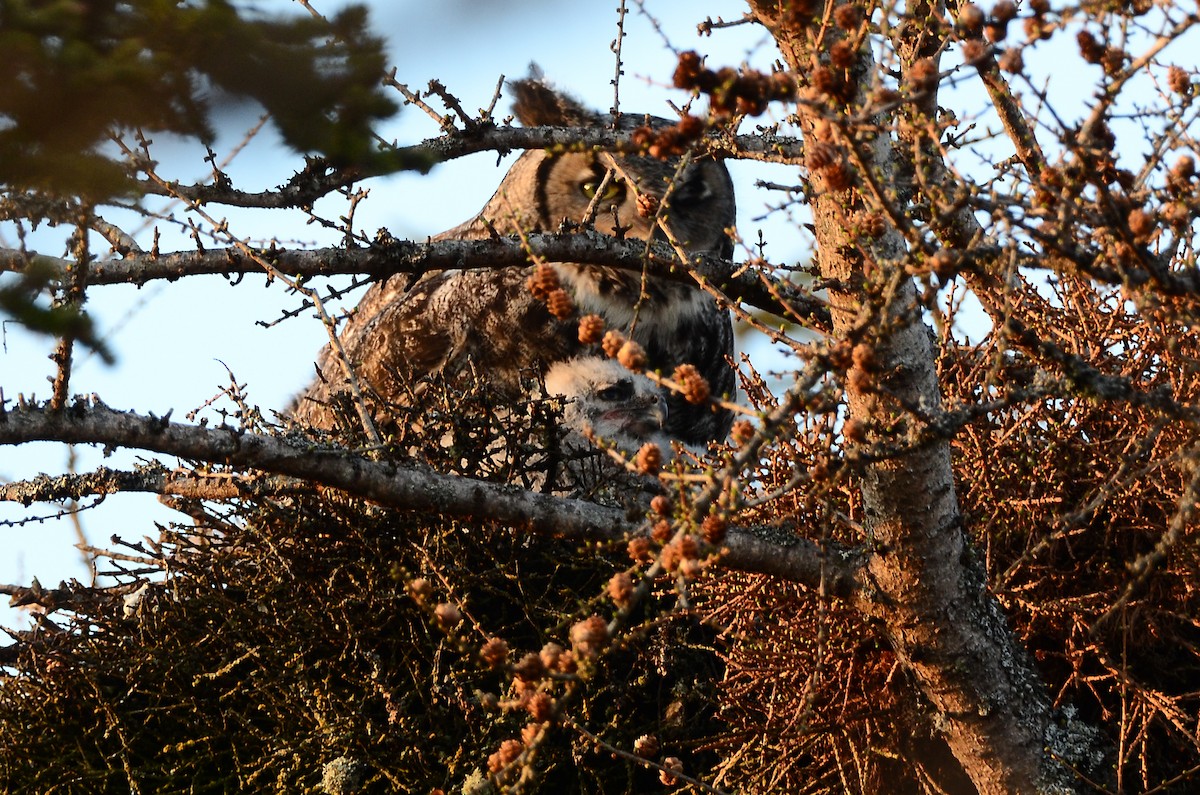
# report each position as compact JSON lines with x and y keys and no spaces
{"x":948,"y":630}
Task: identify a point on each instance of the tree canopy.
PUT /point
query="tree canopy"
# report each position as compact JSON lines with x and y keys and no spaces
{"x":949,"y":545}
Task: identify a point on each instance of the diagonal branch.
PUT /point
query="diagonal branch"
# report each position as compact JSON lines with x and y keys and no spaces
{"x":381,"y":482}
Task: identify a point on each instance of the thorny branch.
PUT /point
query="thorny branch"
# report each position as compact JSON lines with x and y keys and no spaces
{"x":318,"y":179}
{"x":388,"y":484}
{"x":389,"y":257}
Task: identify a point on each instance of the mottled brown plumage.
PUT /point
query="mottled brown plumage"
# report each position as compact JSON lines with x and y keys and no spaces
{"x":485,"y":322}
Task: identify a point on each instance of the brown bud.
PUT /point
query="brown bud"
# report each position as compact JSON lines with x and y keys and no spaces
{"x":494,"y":653}
{"x":669,"y":557}
{"x":620,"y":588}
{"x":923,"y":75}
{"x":639,"y":549}
{"x":560,"y":304}
{"x":848,"y":16}
{"x":1178,"y":81}
{"x":713,"y":529}
{"x":612,"y":342}
{"x":825,"y":81}
{"x":591,"y":329}
{"x":1184,"y":169}
{"x":839,"y":355}
{"x":842,"y":54}
{"x":647,"y":205}
{"x":872,"y":225}
{"x":820,"y":154}
{"x":504,"y":756}
{"x":540,"y":708}
{"x":589,"y":636}
{"x":695,"y":388}
{"x":1038,"y":29}
{"x":530,"y":667}
{"x":649,"y":459}
{"x":943,"y":263}
{"x":1052,"y":177}
{"x":884,"y":95}
{"x":661,"y":531}
{"x":1141,"y":224}
{"x":672,"y":764}
{"x":568,"y":663}
{"x":642,"y":137}
{"x":970,"y":19}
{"x":632,"y":357}
{"x":661,"y":505}
{"x":1004,"y":11}
{"x":420,"y":590}
{"x":741,"y":432}
{"x":550,"y":654}
{"x":838,"y":177}
{"x":690,"y":127}
{"x":1011,"y":61}
{"x":1113,"y":61}
{"x":543,"y":281}
{"x":783,"y":86}
{"x":447,"y":615}
{"x":863,"y":355}
{"x":647,"y":746}
{"x":1091,"y":49}
{"x":860,"y":381}
{"x":974,"y":51}
{"x":688,"y":70}
{"x":1176,"y":214}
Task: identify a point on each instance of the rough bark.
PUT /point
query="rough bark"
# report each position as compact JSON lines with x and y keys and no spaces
{"x":799,"y":560}
{"x":391,"y":257}
{"x":943,"y":623}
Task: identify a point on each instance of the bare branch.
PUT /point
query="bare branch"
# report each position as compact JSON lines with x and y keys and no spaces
{"x":401,"y":256}
{"x":386,"y":483}
{"x":317,"y":180}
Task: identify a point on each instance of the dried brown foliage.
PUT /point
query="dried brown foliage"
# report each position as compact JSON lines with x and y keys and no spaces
{"x":280,"y":633}
{"x":277,"y":635}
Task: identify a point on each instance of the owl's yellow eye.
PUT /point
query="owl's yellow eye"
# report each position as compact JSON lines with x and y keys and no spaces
{"x":612,"y":191}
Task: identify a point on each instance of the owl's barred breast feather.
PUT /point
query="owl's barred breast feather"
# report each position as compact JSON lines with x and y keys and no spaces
{"x":485,"y":322}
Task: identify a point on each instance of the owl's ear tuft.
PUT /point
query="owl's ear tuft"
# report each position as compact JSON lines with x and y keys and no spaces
{"x":536,"y":104}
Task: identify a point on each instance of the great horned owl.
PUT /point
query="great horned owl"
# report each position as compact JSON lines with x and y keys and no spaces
{"x":485,"y":321}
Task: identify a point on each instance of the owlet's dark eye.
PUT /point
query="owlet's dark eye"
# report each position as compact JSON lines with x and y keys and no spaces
{"x":612,"y":191}
{"x":620,"y":391}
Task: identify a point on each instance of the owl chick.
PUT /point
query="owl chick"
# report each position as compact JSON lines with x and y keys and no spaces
{"x":605,"y":404}
{"x":604,"y":400}
{"x":486,"y":322}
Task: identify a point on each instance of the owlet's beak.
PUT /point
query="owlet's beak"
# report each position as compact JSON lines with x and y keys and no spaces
{"x":640,"y":417}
